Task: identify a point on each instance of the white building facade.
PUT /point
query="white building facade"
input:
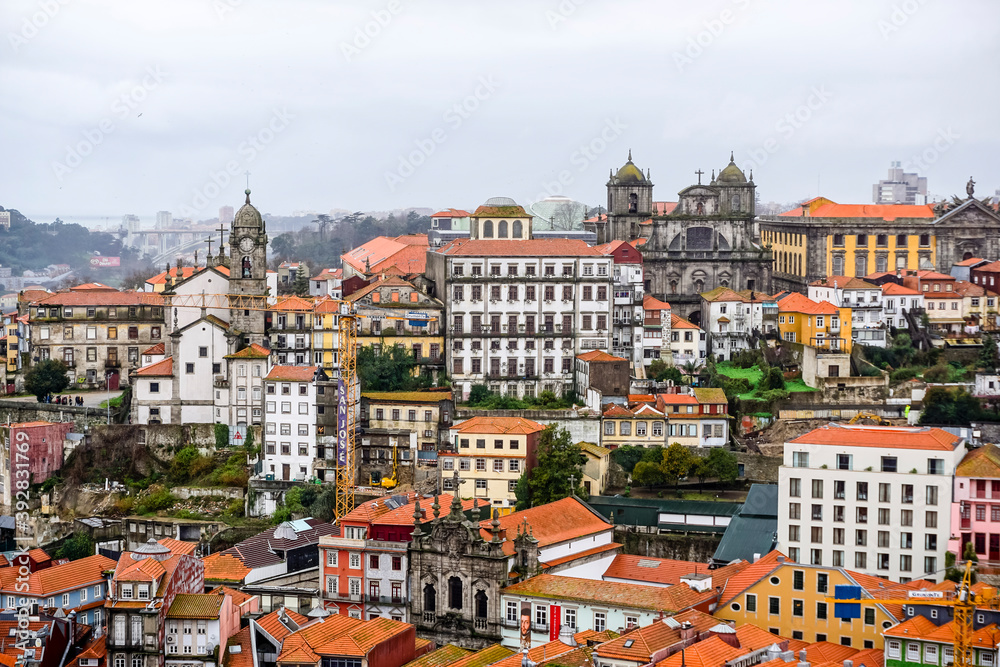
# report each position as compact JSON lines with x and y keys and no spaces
{"x":869,"y":498}
{"x":868,"y":319}
{"x":290,"y":423}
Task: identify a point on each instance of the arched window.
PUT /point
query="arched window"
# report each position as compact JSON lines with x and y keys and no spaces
{"x":736,"y":203}
{"x":246,"y":266}
{"x":860,"y":266}
{"x":430,"y":598}
{"x":502,"y":229}
{"x":633,"y":203}
{"x":881,"y":263}
{"x":455,"y":593}
{"x":518,"y":231}
{"x":488,"y":229}
{"x":481,"y":604}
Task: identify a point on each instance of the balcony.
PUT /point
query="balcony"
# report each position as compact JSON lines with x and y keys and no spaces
{"x":112,"y":363}
{"x":386,"y":599}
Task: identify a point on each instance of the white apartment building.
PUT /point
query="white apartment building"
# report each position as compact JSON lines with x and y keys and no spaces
{"x":519,"y":309}
{"x":897,"y":300}
{"x":874,"y":499}
{"x":865,"y":301}
{"x":655,"y":330}
{"x":627,"y":310}
{"x":290,"y":422}
{"x":731,"y":317}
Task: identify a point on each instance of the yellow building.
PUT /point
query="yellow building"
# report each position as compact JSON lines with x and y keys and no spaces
{"x":597,"y":468}
{"x":326,"y":334}
{"x":791,"y":600}
{"x":816,"y":324}
{"x":392,"y":311}
{"x":642,"y":426}
{"x":9,"y":341}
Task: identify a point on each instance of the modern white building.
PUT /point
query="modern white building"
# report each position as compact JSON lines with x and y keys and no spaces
{"x":868,"y":319}
{"x":519,"y":309}
{"x":875,"y":499}
{"x":290,"y":422}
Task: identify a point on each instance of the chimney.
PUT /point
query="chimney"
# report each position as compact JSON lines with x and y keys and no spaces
{"x":803,"y":660}
{"x":805,"y":210}
{"x":688,"y":631}
{"x":848,"y":663}
{"x":780,"y":559}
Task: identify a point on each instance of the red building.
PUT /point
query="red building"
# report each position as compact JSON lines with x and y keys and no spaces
{"x":36,"y":447}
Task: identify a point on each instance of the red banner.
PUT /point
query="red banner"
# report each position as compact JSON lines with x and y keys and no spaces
{"x":554,"y":622}
{"x":105,"y":261}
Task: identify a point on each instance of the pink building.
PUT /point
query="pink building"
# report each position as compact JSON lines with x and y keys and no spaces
{"x":975,"y":507}
{"x":42,"y":457}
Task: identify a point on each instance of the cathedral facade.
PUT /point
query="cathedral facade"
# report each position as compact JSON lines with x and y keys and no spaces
{"x":706,"y":239}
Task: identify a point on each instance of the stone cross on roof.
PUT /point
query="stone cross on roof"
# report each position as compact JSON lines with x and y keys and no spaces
{"x":456,"y":500}
{"x":572,"y":485}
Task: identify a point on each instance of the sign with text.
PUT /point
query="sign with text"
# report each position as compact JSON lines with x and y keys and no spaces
{"x":341,"y":422}
{"x":104,"y":262}
{"x":554,"y":622}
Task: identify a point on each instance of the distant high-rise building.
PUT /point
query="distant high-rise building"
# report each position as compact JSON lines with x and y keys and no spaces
{"x":5,"y":219}
{"x":226,"y":215}
{"x":131,"y":222}
{"x":900,"y":187}
{"x":164,"y":219}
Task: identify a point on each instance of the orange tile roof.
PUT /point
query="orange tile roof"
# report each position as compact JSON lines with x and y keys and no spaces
{"x":612,"y":546}
{"x":724,"y":294}
{"x":647,"y":640}
{"x":973,"y":260}
{"x":980,"y":462}
{"x":916,"y":626}
{"x":598,"y":355}
{"x":159,"y":348}
{"x":239,"y":597}
{"x":631,"y":596}
{"x":650,"y":302}
{"x":253,"y":351}
{"x":678,"y":322}
{"x":408,"y":253}
{"x":451,"y":213}
{"x":102,"y":298}
{"x":800,"y":303}
{"x":362,"y":638}
{"x":901,"y":437}
{"x":329,"y":274}
{"x":196,"y":605}
{"x":513,"y":248}
{"x":871,"y":657}
{"x":545,"y":651}
{"x":652,"y":570}
{"x":58,"y":578}
{"x":422,"y":397}
{"x":764,"y":566}
{"x":224,"y":567}
{"x":825,"y":208}
{"x":895,"y":289}
{"x":403,"y":516}
{"x":293,"y":303}
{"x":185,"y":273}
{"x":442,"y":657}
{"x":162,"y":368}
{"x":386,"y":281}
{"x":93,"y":287}
{"x":272,"y":625}
{"x":242,"y":658}
{"x":499,"y":425}
{"x":820,"y":652}
{"x":566,"y":519}
{"x":617,"y":411}
{"x":292,"y":373}
{"x":30,"y":296}
{"x":178,"y":546}
{"x":485,"y":657}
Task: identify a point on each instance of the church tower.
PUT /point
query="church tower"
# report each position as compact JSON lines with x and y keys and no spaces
{"x":630,"y":201}
{"x":247,"y":275}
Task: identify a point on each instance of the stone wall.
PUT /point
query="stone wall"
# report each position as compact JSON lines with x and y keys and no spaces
{"x":759,"y":468}
{"x":186,"y":492}
{"x":31,"y":410}
{"x":699,"y":548}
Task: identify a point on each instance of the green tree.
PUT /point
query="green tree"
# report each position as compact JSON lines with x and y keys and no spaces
{"x":690,"y":370}
{"x":989,"y":358}
{"x":478,"y":394}
{"x":627,"y":456}
{"x":46,"y":377}
{"x":723,"y":464}
{"x":391,"y":369}
{"x":677,"y":462}
{"x":945,"y":406}
{"x":647,"y":474}
{"x":558,"y":458}
{"x":773,"y":379}
{"x":702,"y":469}
{"x":970,"y":552}
{"x":76,"y":547}
{"x":301,"y":284}
{"x":660,"y":371}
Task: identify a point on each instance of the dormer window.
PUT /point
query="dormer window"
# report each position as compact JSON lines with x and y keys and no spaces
{"x":126,"y":591}
{"x":143,"y":591}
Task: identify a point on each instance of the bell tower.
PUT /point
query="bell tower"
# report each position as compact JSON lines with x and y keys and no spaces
{"x":247,"y":275}
{"x":630,"y":201}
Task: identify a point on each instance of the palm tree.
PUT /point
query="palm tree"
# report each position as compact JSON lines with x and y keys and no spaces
{"x":689,"y":369}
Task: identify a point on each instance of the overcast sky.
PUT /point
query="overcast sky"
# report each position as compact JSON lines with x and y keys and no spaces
{"x":117,"y":106}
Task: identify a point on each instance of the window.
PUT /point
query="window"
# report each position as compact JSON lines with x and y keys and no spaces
{"x":817,"y":488}
{"x":800,"y":459}
{"x":541,"y":616}
{"x":600,"y":621}
{"x":892,"y":649}
{"x":932,"y":495}
{"x":913,"y":651}
{"x":798,"y":580}
{"x":751,"y":603}
{"x":844,"y":461}
{"x":862,"y":493}
{"x":839,"y":489}
{"x":930,"y":521}
{"x":815,"y":536}
{"x":888,"y":465}
{"x":354,"y":561}
{"x":795,"y":487}
{"x":861,"y":559}
{"x":793,"y":533}
{"x":774,"y":606}
{"x":794,"y":511}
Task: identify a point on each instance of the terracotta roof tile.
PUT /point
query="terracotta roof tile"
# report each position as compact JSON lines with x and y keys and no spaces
{"x":243,"y":657}
{"x":594,"y":450}
{"x":224,"y":567}
{"x":162,"y":368}
{"x":980,"y":462}
{"x":547,"y":650}
{"x":650,"y":302}
{"x":895,"y":289}
{"x":843,"y":282}
{"x":617,"y":411}
{"x":253,"y":351}
{"x":632,"y":596}
{"x":196,"y":605}
{"x":640,"y":644}
{"x":271,"y":623}
{"x":178,"y":546}
{"x":293,"y":303}
{"x":185,"y":272}
{"x":451,"y":213}
{"x":159,"y":348}
{"x":740,"y":582}
{"x":101,"y":298}
{"x":485,"y":657}
{"x":498,"y":425}
{"x":442,"y":657}
{"x":409,"y":253}
{"x":598,"y":355}
{"x":678,"y":322}
{"x":894,"y":437}
{"x":824,"y":208}
{"x":408,"y":396}
{"x":566,"y":519}
{"x":800,"y":303}
{"x":292,"y":373}
{"x":652,"y":570}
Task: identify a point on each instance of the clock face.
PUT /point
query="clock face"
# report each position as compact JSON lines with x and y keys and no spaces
{"x":246,"y":244}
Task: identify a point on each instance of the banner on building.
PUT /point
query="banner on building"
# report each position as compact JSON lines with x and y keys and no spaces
{"x":554,"y":622}
{"x":525,"y":625}
{"x":104,"y":262}
{"x":341,"y":422}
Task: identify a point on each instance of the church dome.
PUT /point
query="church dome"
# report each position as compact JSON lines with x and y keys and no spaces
{"x":248,"y":216}
{"x":629,"y":173}
{"x":731,"y":174}
{"x":151,"y":549}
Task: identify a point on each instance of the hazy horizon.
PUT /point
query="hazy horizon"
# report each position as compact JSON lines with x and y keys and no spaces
{"x":119,"y":106}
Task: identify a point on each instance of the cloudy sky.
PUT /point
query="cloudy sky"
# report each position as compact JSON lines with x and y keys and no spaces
{"x":117,"y":106}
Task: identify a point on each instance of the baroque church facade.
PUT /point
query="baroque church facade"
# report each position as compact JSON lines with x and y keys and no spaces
{"x":706,"y":239}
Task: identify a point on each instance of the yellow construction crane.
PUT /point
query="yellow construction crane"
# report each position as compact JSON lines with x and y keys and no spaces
{"x":964,"y":601}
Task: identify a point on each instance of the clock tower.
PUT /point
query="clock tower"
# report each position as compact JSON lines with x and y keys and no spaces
{"x":247,"y":276}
